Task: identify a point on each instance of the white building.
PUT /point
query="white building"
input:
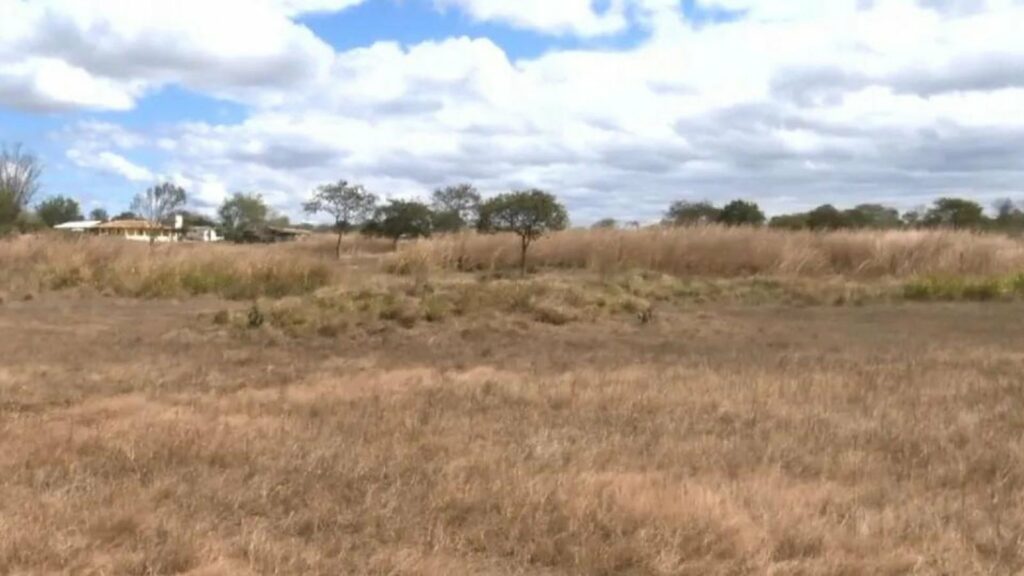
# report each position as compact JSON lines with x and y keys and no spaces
{"x":80,"y":226}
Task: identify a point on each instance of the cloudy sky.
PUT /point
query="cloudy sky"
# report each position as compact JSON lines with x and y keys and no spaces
{"x":617,"y":106}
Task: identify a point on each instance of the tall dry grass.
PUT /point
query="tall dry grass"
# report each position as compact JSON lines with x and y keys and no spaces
{"x":51,"y":262}
{"x":719,"y":251}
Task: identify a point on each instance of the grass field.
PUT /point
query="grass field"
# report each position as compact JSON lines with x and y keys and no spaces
{"x":248,"y":410}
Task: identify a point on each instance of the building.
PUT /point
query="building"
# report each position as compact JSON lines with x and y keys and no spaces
{"x":79,"y":226}
{"x":139,"y":230}
{"x":202,"y":234}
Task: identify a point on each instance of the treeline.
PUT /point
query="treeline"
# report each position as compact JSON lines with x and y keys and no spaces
{"x":953,"y":213}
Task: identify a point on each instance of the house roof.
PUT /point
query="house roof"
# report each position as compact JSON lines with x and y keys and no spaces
{"x":78,"y":225}
{"x":131,"y":225}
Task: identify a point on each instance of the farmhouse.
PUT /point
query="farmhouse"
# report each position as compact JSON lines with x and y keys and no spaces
{"x":139,"y":230}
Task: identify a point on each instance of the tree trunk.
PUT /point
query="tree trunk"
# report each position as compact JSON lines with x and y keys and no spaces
{"x":522,"y":257}
{"x":337,"y":249}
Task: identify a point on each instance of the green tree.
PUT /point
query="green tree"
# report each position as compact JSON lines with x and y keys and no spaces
{"x":160,"y":202}
{"x":99,"y":214}
{"x":789,"y":222}
{"x":241,"y":212}
{"x":874,"y":216}
{"x":455,"y":207}
{"x":529,"y":214}
{"x":20,"y":174}
{"x":128,"y":215}
{"x":826,"y":217}
{"x":606,"y":224}
{"x":401,"y":219}
{"x":955,"y":213}
{"x":685,"y":213}
{"x":349,"y":206}
{"x":58,"y":210}
{"x":741,"y":213}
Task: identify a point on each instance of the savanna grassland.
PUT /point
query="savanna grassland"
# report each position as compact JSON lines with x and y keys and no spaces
{"x":698,"y":401}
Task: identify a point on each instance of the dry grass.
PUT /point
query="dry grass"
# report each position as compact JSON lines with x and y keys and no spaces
{"x":434,"y":422}
{"x":52,"y":262}
{"x":717,"y":251}
{"x":719,"y":440}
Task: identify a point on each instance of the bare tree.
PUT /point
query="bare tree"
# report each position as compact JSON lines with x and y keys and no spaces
{"x":20,"y":172}
{"x":158,"y":202}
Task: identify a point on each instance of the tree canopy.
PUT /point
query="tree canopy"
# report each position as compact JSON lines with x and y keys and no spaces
{"x":158,"y":203}
{"x":58,"y":210}
{"x":686,"y":213}
{"x":99,"y":214}
{"x":741,"y":213}
{"x":20,"y":174}
{"x":455,"y":207}
{"x":401,"y":219}
{"x":529,"y":214}
{"x":348,"y":204}
{"x":241,"y":212}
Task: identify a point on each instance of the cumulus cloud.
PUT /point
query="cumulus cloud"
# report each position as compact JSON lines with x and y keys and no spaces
{"x":578,"y":17}
{"x":789,"y":103}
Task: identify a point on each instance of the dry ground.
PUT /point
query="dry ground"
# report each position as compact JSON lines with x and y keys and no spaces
{"x":140,"y":437}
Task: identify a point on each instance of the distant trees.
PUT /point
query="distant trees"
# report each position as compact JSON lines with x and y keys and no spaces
{"x":401,"y":219}
{"x":685,"y":213}
{"x":455,"y":208}
{"x":735,"y":213}
{"x":58,"y":210}
{"x":605,"y":224}
{"x":99,"y":214}
{"x":241,"y":212}
{"x":127,"y":215}
{"x":741,"y":213}
{"x":20,"y":174}
{"x":349,"y":206}
{"x":158,"y":203}
{"x":529,"y":214}
{"x":955,"y":213}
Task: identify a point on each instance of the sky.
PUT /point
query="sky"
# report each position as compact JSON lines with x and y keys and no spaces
{"x":619,"y":107}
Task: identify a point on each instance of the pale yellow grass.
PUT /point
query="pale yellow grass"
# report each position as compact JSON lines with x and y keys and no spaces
{"x":719,"y":251}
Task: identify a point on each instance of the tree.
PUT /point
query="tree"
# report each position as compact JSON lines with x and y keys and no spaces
{"x":20,"y":172}
{"x":873,"y":216}
{"x":455,"y":207}
{"x":789,"y":222}
{"x":741,"y":213}
{"x":159,"y":202}
{"x":685,"y":213}
{"x":401,"y":219}
{"x":126,"y":216}
{"x":1008,"y":215}
{"x":955,"y":213}
{"x":241,"y":212}
{"x":349,"y":205}
{"x":606,"y":224}
{"x":58,"y":210}
{"x":825,"y":217}
{"x":529,"y":214}
{"x":99,"y":214}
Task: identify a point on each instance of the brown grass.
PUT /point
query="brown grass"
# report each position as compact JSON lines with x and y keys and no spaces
{"x":433,"y":422}
{"x":718,"y":251}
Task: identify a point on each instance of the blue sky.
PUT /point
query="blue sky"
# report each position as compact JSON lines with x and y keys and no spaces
{"x":618,"y":106}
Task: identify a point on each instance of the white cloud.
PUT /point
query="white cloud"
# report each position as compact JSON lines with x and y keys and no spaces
{"x":795,"y":103}
{"x":111,"y":163}
{"x":578,"y":17}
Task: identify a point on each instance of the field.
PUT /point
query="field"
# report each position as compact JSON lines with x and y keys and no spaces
{"x":703,"y":401}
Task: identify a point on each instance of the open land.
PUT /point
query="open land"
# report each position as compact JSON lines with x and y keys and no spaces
{"x":255,"y":410}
